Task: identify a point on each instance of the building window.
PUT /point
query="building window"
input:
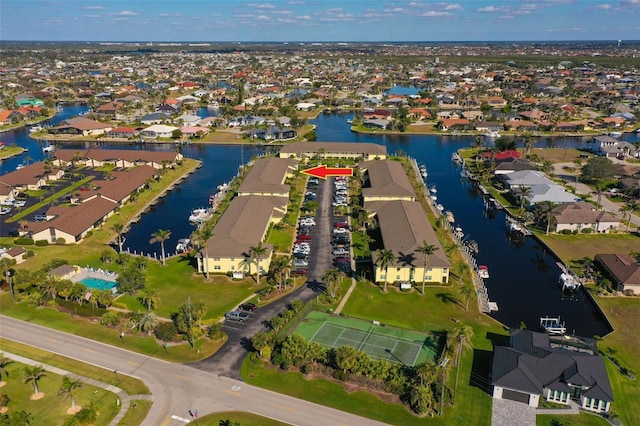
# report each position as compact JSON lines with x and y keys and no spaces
{"x":216,"y":259}
{"x":217,"y":267}
{"x":427,"y":278}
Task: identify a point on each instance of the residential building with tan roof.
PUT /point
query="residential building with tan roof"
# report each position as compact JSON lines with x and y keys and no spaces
{"x":82,"y":126}
{"x":71,"y":223}
{"x":386,"y":180}
{"x":243,"y":225}
{"x":352,"y":150}
{"x":579,"y":216}
{"x":267,"y":177}
{"x":120,"y":157}
{"x":404,"y":228}
{"x":31,"y":177}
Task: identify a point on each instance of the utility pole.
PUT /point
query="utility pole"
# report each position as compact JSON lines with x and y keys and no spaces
{"x":443,"y":365}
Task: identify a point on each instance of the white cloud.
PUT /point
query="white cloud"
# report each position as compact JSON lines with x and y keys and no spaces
{"x":490,"y":9}
{"x":92,"y":16}
{"x":453,"y":7}
{"x":604,"y":6}
{"x":296,"y":2}
{"x":261,"y":5}
{"x":94,"y":8}
{"x":262,"y":18}
{"x":304,"y":17}
{"x":165,"y":15}
{"x":126,"y":13}
{"x":434,"y":14}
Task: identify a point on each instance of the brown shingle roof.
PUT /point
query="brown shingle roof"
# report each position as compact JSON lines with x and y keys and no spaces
{"x":387,"y":179}
{"x":267,"y":176}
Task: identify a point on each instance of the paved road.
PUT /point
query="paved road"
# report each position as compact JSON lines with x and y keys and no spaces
{"x":177,"y":388}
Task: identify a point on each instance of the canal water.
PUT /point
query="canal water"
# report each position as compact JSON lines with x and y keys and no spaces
{"x":523,"y":275}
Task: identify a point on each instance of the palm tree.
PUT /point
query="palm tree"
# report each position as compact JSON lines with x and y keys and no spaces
{"x":33,"y":375}
{"x":427,"y":250}
{"x":4,"y":361}
{"x":462,"y":335}
{"x":523,"y":192}
{"x":332,"y":279}
{"x":67,"y":390}
{"x":148,"y":322}
{"x":202,"y":237}
{"x":546,"y":210}
{"x":528,"y":142}
{"x":255,"y":253}
{"x":467,"y":291}
{"x":383,"y":260}
{"x":160,"y":236}
{"x":118,"y":228}
{"x":150,"y":298}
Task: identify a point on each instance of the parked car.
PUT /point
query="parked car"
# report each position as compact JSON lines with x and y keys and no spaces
{"x":19,"y":203}
{"x":40,"y":218}
{"x":340,"y":252}
{"x":341,"y":239}
{"x":299,"y":272}
{"x":298,"y":263}
{"x":340,"y":231}
{"x":303,"y":237}
{"x":5,"y":210}
{"x":6,"y":202}
{"x":248,"y":307}
{"x":237,"y":316}
{"x":14,"y":233}
{"x":342,"y":259}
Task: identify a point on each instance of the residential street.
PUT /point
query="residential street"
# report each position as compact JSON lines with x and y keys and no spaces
{"x":177,"y":388}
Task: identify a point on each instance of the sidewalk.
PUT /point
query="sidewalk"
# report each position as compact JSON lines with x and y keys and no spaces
{"x":124,"y":399}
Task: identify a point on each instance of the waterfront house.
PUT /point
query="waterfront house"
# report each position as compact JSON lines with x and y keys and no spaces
{"x":385,"y":180}
{"x":119,"y":157}
{"x":351,"y":150}
{"x":404,"y":227}
{"x":535,"y":365}
{"x":158,"y":131}
{"x":610,"y":147}
{"x":267,"y":177}
{"x":122,"y":132}
{"x":622,"y":269}
{"x":578,"y":216}
{"x":155,"y":118}
{"x":512,"y":165}
{"x":81,"y":126}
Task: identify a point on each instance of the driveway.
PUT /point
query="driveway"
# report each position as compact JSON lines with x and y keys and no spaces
{"x":227,"y":361}
{"x":510,"y":413}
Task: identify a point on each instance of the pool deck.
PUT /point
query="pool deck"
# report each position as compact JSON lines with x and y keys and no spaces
{"x":94,"y":273}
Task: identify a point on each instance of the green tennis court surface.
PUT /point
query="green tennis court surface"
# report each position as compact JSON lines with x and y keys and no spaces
{"x":379,"y":342}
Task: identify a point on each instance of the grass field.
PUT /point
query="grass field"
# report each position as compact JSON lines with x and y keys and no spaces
{"x":50,"y":410}
{"x":582,"y":419}
{"x":379,"y":342}
{"x":241,"y":417}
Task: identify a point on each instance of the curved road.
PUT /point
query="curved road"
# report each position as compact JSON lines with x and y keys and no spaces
{"x":178,"y":388}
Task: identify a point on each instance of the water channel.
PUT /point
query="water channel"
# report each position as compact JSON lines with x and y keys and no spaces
{"x":524,"y":275}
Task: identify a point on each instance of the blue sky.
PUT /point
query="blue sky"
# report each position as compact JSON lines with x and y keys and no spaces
{"x":318,"y":20}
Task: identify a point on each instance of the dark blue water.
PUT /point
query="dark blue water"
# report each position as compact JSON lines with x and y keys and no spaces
{"x":523,"y":275}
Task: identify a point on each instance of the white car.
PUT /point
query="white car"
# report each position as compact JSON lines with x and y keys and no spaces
{"x":20,"y":203}
{"x":337,"y":231}
{"x":299,"y":263}
{"x":340,"y":252}
{"x":5,"y":210}
{"x":307,"y":222}
{"x":6,"y":202}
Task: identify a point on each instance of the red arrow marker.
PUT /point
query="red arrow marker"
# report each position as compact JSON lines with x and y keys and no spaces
{"x":323,"y":171}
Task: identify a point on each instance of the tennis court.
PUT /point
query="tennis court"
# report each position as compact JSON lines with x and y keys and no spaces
{"x":378,"y":341}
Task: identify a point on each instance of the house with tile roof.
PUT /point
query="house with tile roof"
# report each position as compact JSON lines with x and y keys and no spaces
{"x":577,"y":216}
{"x":535,"y":365}
{"x":81,"y":126}
{"x":623,"y":269}
{"x":385,"y":180}
{"x":353,"y":150}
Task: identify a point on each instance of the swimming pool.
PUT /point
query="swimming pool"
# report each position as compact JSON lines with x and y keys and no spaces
{"x":98,"y":283}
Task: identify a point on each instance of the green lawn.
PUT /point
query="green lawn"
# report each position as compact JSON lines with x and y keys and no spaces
{"x":130,"y":385}
{"x":51,"y":409}
{"x":583,"y":419}
{"x":177,"y":281}
{"x":244,"y":418}
{"x":138,"y":411}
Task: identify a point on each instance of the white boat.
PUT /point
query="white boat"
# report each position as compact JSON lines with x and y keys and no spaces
{"x":20,"y":166}
{"x":483,"y":271}
{"x":455,"y":157}
{"x":615,"y":134}
{"x":223,"y":186}
{"x":433,"y":189}
{"x":569,"y":281}
{"x":184,"y":245}
{"x":199,"y":215}
{"x":434,"y":197}
{"x":552,"y":325}
{"x":457,"y":231}
{"x":450,"y":217}
{"x":48,"y":148}
{"x":349,"y":121}
{"x":492,"y":134}
{"x":513,"y":226}
{"x":213,"y":105}
{"x":35,"y":129}
{"x":423,"y":171}
{"x":440,"y":207}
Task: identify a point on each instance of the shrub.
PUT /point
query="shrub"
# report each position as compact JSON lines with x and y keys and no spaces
{"x":166,"y":331}
{"x":566,"y":232}
{"x":42,"y":243}
{"x":23,"y":241}
{"x":110,"y":319}
{"x":340,"y":375}
{"x":587,"y":230}
{"x":61,"y":241}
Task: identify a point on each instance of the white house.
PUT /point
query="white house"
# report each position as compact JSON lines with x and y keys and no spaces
{"x":158,"y":131}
